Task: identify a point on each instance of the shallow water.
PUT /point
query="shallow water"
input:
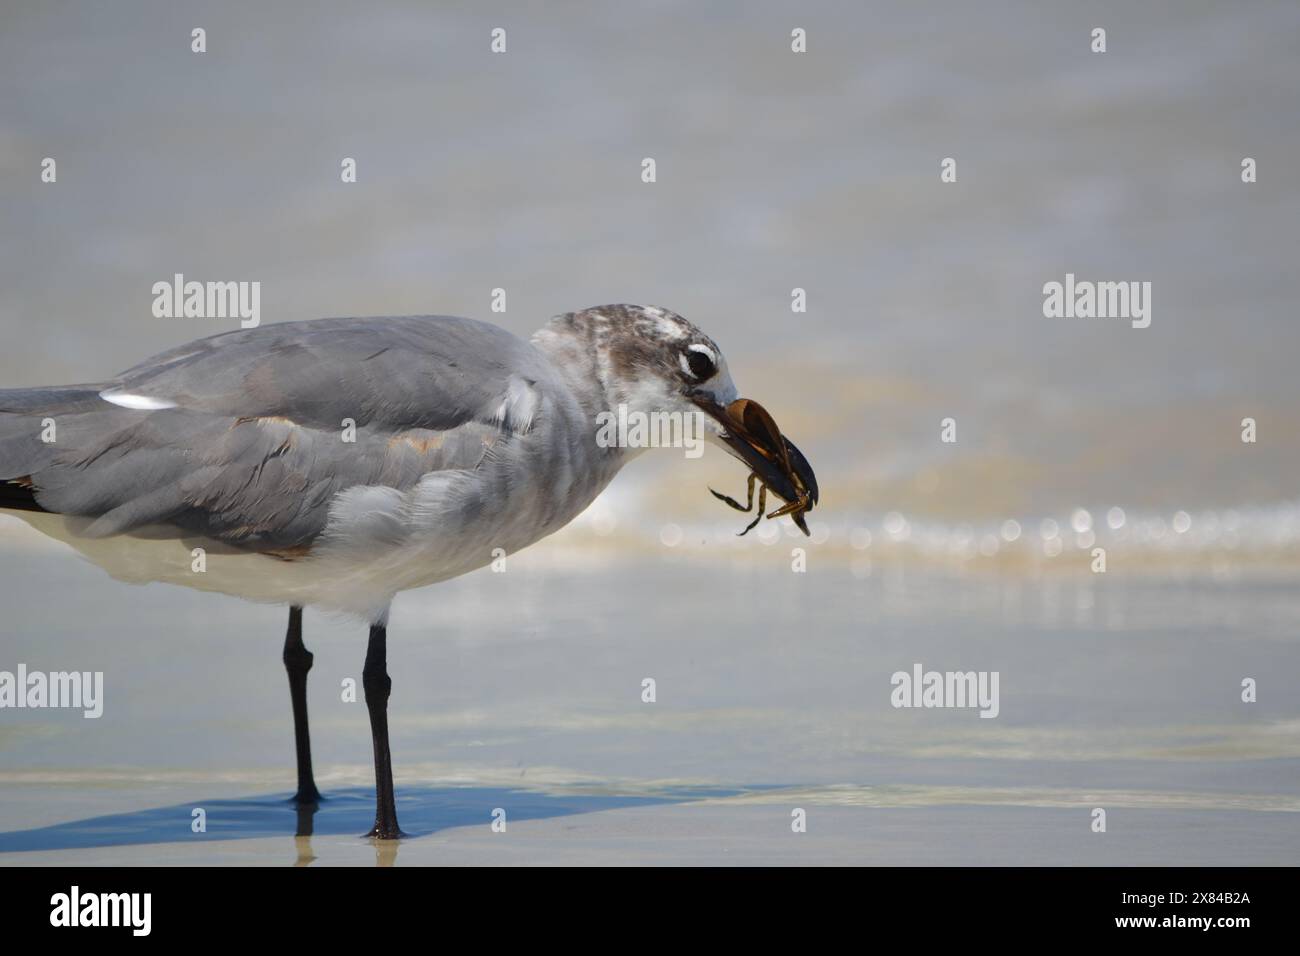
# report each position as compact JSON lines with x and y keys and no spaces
{"x":819,"y":171}
{"x":522,"y":691}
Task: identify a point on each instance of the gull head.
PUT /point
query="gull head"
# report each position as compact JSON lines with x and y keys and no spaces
{"x":649,"y":365}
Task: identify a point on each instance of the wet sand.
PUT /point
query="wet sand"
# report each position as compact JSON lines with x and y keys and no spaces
{"x":522,"y":691}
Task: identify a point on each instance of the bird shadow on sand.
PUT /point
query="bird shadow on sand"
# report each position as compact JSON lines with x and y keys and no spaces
{"x":349,"y":812}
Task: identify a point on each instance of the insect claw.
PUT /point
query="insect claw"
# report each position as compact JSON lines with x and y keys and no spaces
{"x":749,"y":505}
{"x":728,"y":499}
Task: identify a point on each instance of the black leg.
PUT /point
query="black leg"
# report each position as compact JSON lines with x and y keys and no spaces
{"x":297,"y":661}
{"x":378,"y":685}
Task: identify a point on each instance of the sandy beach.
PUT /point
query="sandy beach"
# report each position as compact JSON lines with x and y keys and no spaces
{"x":771,"y":696}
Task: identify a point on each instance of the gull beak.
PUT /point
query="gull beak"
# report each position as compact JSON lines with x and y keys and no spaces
{"x":752,"y":435}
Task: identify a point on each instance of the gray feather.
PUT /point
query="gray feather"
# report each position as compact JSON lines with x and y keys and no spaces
{"x":253,"y":452}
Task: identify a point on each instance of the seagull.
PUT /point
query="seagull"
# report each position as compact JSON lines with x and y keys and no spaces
{"x":337,"y":462}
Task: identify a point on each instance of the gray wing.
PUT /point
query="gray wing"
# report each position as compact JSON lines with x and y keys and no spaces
{"x":254,"y":449}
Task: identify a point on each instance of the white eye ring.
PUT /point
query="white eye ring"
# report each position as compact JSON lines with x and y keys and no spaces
{"x":703,"y":350}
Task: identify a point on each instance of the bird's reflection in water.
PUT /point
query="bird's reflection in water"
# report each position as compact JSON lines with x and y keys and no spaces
{"x":306,"y":856}
{"x":302,"y":835}
{"x":385,"y":850}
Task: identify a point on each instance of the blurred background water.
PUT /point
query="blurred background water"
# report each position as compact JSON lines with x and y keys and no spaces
{"x":775,"y":171}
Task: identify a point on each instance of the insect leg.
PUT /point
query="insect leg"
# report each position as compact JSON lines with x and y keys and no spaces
{"x":749,"y":502}
{"x":762,"y":503}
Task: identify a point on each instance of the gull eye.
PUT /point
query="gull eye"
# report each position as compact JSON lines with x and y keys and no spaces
{"x":699,"y":359}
